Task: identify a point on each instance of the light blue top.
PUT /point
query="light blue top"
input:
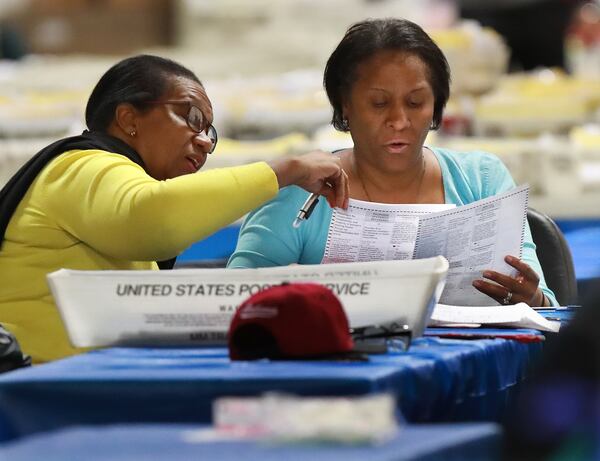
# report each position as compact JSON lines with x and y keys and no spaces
{"x":268,"y":239}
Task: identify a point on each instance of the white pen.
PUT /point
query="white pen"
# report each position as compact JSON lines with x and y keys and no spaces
{"x":306,"y":209}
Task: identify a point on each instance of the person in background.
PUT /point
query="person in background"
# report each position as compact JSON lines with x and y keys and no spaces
{"x":388,"y":83}
{"x":123,"y":194}
{"x":13,"y":41}
{"x":12,"y":45}
{"x":557,"y":414}
{"x":534,"y":30}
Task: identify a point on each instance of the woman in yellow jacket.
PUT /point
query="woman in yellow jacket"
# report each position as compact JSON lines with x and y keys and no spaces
{"x":122,"y":195}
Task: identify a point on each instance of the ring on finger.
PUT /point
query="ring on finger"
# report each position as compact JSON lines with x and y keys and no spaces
{"x":507,"y":298}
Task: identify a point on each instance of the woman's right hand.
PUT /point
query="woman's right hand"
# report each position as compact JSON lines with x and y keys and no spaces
{"x":318,"y":172}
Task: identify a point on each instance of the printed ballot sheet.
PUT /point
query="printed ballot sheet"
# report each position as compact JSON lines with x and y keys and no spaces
{"x":374,"y":231}
{"x":473,"y":237}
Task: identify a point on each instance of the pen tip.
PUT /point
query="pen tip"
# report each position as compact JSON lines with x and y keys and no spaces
{"x":296,"y":223}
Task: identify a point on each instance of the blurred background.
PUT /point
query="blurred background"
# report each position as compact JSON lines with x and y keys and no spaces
{"x":526,"y":83}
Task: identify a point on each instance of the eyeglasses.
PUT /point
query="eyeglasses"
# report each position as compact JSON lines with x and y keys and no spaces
{"x":396,"y":336}
{"x":195,"y":120}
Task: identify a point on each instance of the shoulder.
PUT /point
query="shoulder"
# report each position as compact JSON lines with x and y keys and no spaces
{"x":288,"y":198}
{"x":89,"y":155}
{"x":88,"y":160}
{"x":283,"y":209}
{"x":291,"y":194}
{"x":469,"y":162}
{"x":473,"y":174}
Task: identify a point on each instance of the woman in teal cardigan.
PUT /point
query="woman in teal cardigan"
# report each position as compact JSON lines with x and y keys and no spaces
{"x":388,"y":83}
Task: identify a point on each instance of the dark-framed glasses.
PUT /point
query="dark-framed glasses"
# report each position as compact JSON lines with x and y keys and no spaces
{"x":195,"y":120}
{"x":394,"y":336}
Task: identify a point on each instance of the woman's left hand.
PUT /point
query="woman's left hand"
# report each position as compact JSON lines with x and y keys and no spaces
{"x":511,"y":290}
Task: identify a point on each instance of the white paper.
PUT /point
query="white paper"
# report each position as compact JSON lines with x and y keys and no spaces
{"x":195,"y":306}
{"x":277,"y":417}
{"x":473,"y":237}
{"x":374,"y":231}
{"x":518,"y":315}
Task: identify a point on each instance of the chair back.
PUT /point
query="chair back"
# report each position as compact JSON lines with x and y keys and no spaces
{"x":555,"y":257}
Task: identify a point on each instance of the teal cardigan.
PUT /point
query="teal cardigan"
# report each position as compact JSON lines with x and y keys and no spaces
{"x":268,"y":239}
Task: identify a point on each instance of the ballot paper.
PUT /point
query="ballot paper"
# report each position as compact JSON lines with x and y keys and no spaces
{"x":519,"y":315}
{"x":369,"y":231}
{"x":473,"y":237}
{"x":195,"y":306}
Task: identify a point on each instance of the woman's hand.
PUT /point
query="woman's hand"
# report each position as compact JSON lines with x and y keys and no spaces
{"x":511,"y":290}
{"x":319,"y":172}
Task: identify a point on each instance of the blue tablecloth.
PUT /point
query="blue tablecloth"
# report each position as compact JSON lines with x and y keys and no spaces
{"x":563,"y":314}
{"x":168,"y":442}
{"x":438,"y":380}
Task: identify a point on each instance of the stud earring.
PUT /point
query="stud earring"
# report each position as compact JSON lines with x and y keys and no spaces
{"x":345,"y":124}
{"x":132,"y":133}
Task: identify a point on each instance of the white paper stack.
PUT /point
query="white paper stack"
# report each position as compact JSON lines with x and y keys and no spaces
{"x":287,"y":418}
{"x":518,"y":315}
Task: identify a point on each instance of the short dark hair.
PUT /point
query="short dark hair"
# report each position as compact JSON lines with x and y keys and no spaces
{"x":135,"y":80}
{"x":362,"y":40}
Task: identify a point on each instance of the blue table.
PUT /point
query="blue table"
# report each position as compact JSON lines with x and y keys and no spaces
{"x":160,"y":442}
{"x":438,"y":380}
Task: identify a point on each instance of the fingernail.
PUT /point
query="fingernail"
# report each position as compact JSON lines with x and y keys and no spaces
{"x":487,"y":274}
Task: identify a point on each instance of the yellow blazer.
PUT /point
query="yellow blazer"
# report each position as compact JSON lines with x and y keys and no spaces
{"x":92,"y":210}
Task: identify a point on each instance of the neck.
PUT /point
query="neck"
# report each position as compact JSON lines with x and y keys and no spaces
{"x":116,"y":132}
{"x":384,"y":187}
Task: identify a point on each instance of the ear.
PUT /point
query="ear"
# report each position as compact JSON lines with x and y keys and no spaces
{"x":125,"y":119}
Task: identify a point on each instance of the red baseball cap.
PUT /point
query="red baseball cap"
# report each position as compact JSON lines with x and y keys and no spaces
{"x":291,"y":321}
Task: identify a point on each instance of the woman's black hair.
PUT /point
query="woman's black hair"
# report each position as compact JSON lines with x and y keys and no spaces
{"x":362,"y":40}
{"x":136,"y":80}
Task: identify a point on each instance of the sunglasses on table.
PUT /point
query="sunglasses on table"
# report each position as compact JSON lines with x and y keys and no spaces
{"x":195,"y":120}
{"x":394,"y":336}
